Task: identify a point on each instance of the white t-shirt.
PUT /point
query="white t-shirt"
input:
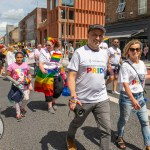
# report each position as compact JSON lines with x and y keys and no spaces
{"x":45,"y":56}
{"x":115,"y":55}
{"x":104,"y":46}
{"x":90,"y":67}
{"x":37,"y":53}
{"x":128,"y":75}
{"x":10,"y":58}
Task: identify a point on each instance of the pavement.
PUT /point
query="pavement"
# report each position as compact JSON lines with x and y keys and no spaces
{"x":40,"y":130}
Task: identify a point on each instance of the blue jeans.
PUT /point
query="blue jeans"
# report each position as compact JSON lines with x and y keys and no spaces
{"x":125,"y":110}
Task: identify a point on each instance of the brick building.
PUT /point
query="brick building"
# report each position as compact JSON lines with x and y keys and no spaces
{"x":68,"y":20}
{"x":29,"y":24}
{"x":14,"y":36}
{"x":127,"y":19}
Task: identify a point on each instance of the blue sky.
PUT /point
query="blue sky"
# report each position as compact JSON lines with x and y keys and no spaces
{"x":12,"y":11}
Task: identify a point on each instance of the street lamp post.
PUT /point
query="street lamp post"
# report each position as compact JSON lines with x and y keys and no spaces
{"x":65,"y":43}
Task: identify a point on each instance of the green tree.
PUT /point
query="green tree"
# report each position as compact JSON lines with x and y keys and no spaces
{"x":82,"y":42}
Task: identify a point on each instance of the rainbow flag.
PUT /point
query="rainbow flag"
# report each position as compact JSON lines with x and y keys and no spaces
{"x":106,"y":38}
{"x":44,"y":82}
{"x":56,"y":57}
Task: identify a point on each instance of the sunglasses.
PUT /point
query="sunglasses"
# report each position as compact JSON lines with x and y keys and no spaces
{"x":133,"y":49}
{"x":49,"y":45}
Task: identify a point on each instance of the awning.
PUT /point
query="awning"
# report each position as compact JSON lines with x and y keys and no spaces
{"x":123,"y":34}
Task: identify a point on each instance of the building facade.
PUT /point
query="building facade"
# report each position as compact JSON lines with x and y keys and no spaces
{"x":126,"y":19}
{"x":68,"y":20}
{"x":9,"y":28}
{"x":14,"y":36}
{"x":29,"y":24}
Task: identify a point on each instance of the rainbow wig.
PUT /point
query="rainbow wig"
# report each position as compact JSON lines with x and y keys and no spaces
{"x":51,"y":39}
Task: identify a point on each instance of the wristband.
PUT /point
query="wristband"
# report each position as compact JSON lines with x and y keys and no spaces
{"x":73,"y":100}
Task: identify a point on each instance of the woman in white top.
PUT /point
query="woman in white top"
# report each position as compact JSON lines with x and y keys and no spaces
{"x":132,"y":77}
{"x":49,"y":63}
{"x":10,"y":56}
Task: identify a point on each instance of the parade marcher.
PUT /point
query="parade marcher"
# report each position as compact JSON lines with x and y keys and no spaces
{"x":36,"y":56}
{"x":2,"y":60}
{"x":10,"y":56}
{"x":70,"y":51}
{"x":132,"y":77}
{"x":20,"y":72}
{"x":145,"y":51}
{"x":49,"y":63}
{"x":87,"y":86}
{"x":115,"y":60}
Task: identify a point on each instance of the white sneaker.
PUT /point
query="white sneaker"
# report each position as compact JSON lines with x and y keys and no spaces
{"x":115,"y":92}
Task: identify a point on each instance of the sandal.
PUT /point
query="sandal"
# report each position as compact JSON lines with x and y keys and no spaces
{"x":120,"y":143}
{"x":147,"y":148}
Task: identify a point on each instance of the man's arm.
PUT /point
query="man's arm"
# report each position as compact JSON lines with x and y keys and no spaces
{"x":72,"y":86}
{"x":71,"y":83}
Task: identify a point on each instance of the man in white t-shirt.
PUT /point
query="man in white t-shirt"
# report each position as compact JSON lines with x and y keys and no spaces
{"x":87,"y":86}
{"x":115,"y":60}
{"x":70,"y":51}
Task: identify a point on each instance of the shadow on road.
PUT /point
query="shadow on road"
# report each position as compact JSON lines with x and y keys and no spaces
{"x":39,"y":105}
{"x":9,"y":112}
{"x":93,"y":134}
{"x":57,"y":140}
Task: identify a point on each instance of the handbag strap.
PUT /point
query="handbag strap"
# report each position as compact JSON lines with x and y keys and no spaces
{"x":136,"y":73}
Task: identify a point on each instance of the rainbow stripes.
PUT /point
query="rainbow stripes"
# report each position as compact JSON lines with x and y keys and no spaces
{"x":44,"y":82}
{"x":56,"y":57}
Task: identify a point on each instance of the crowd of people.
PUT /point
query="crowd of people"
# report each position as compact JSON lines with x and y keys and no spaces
{"x":91,"y":68}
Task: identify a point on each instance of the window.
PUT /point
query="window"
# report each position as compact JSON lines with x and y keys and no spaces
{"x":71,"y":15}
{"x":55,"y":3}
{"x":121,"y":6}
{"x":121,"y":15}
{"x":63,"y":16}
{"x":62,"y":29}
{"x":68,"y":3}
{"x":142,"y":7}
{"x":51,"y":5}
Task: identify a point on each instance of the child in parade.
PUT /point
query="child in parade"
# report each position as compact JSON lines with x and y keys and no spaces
{"x":20,"y":72}
{"x":49,"y":66}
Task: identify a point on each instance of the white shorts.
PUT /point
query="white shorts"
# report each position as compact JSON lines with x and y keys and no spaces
{"x":26,"y":94}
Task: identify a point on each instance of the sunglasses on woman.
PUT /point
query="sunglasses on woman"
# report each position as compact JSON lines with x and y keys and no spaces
{"x":135,"y":49}
{"x":48,"y":45}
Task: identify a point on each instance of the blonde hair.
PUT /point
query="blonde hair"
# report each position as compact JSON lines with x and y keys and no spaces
{"x":10,"y":48}
{"x":4,"y":51}
{"x":128,"y":45}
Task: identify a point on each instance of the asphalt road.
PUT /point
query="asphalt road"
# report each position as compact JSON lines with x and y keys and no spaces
{"x":40,"y":130}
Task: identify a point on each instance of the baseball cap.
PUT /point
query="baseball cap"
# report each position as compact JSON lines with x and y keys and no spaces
{"x":96,"y":26}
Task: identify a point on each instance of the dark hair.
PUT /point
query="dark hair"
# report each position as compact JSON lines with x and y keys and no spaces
{"x":19,"y":53}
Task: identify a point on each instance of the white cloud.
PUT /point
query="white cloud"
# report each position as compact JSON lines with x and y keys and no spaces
{"x":3,"y":26}
{"x":13,"y":14}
